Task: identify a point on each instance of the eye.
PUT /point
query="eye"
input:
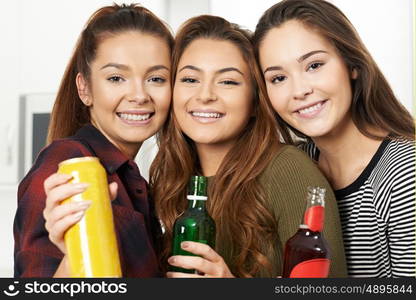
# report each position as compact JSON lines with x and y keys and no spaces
{"x":188,"y":80}
{"x":157,"y":79}
{"x":314,"y":66}
{"x":115,"y":79}
{"x":229,"y":82}
{"x":278,"y":79}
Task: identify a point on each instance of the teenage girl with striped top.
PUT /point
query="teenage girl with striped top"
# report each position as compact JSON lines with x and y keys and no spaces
{"x":325,"y":85}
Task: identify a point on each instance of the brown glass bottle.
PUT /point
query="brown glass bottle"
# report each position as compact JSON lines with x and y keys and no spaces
{"x":307,"y":254}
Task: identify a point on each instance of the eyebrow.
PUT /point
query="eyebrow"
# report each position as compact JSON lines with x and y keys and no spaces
{"x":300,"y":59}
{"x":115,"y":65}
{"x":273,"y":68}
{"x":224,"y":70}
{"x":309,"y":54}
{"x":229,"y":69}
{"x":157,"y":67}
{"x":125,"y":67}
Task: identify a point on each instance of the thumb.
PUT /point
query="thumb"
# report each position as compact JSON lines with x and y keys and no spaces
{"x":113,"y":190}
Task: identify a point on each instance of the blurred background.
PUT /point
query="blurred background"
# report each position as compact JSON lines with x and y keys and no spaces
{"x":38,"y":38}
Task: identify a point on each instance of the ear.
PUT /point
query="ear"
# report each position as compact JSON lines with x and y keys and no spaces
{"x":354,"y":73}
{"x":83,"y":90}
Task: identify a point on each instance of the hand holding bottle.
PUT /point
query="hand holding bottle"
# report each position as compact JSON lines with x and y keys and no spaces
{"x":208,"y":263}
{"x":194,"y":224}
{"x":59,"y":218}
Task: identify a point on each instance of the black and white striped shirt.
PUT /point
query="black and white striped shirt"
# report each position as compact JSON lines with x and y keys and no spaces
{"x":377,"y":213}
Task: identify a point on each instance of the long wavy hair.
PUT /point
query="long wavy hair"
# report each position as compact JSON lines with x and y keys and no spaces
{"x":374,"y":104}
{"x":236,"y":198}
{"x":69,"y":113}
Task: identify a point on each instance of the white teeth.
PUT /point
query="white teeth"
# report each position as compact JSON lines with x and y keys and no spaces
{"x":134,"y":117}
{"x":206,"y":115}
{"x":308,"y":110}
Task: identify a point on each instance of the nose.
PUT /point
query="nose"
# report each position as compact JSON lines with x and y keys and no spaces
{"x":206,"y":93}
{"x":137,"y":93}
{"x":301,"y":88}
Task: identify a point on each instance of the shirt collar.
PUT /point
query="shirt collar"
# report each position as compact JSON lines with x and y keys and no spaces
{"x":110,"y":156}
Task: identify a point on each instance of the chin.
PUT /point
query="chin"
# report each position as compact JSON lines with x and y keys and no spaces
{"x":136,"y":138}
{"x":313,"y":130}
{"x":315,"y":134}
{"x":202,"y":140}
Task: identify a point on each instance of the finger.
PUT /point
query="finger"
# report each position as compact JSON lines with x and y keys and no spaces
{"x":64,"y":210}
{"x":113,"y":190}
{"x":55,"y":180}
{"x":57,"y":231}
{"x":62,"y":192}
{"x":192,"y":262}
{"x":203,"y":250}
{"x":182,"y":275}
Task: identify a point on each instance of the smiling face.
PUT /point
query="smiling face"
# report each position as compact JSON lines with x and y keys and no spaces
{"x":129,"y":91}
{"x":212,"y":98}
{"x":307,"y":81}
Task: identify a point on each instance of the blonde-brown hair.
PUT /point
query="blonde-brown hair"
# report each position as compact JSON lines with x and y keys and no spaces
{"x":69,"y":113}
{"x":237,"y":201}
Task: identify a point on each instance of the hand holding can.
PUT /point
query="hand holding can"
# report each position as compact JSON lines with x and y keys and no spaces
{"x":91,"y":243}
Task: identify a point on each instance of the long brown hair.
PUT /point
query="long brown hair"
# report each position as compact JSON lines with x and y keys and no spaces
{"x":374,"y":104}
{"x":236,"y":198}
{"x":69,"y":113}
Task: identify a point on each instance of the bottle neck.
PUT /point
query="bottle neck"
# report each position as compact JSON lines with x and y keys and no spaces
{"x":314,"y":217}
{"x":315,"y":209}
{"x":197,"y":202}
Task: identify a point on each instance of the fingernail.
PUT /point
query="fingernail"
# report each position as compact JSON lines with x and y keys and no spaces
{"x":78,"y":215}
{"x":185,"y":245}
{"x":171,"y":260}
{"x":84,"y":204}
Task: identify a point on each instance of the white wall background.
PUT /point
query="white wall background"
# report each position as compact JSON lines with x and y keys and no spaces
{"x":40,"y":36}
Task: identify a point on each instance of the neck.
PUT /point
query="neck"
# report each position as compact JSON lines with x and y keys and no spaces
{"x":128,"y":149}
{"x":211,"y":157}
{"x":345,"y":154}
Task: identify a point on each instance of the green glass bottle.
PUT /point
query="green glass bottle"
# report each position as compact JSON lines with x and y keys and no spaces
{"x":195,"y":224}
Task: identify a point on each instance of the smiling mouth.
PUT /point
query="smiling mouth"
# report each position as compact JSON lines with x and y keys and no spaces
{"x":311,"y":109}
{"x":135,"y":117}
{"x":210,"y":115}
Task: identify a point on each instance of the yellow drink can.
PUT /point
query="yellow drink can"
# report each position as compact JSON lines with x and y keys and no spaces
{"x":91,"y":243}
